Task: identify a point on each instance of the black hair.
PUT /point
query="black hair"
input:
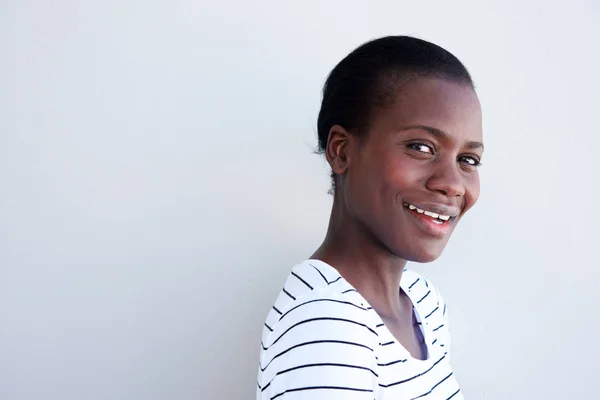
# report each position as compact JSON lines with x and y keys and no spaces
{"x":367,"y":77}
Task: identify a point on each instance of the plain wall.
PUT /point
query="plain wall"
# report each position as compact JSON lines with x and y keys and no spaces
{"x":157,"y":184}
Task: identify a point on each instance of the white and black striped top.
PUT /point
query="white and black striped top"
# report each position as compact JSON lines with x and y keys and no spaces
{"x":323,"y":341}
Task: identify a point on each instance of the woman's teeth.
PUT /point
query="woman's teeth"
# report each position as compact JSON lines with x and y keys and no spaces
{"x":428,"y":213}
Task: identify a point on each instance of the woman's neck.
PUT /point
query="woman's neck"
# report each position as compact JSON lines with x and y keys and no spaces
{"x":364,"y":262}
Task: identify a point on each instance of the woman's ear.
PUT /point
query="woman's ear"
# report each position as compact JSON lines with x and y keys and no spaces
{"x":337,"y":153}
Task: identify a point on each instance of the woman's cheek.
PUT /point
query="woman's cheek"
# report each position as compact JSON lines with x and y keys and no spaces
{"x":472,"y":191}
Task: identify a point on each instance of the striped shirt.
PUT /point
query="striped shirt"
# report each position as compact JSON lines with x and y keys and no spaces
{"x":323,"y":341}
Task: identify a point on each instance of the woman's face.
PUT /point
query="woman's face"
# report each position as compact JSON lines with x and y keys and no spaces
{"x":414,"y":175}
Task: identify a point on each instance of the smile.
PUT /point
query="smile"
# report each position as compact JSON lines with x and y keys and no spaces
{"x":434,"y":217}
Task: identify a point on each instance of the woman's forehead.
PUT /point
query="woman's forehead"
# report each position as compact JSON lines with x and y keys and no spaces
{"x":441,"y":104}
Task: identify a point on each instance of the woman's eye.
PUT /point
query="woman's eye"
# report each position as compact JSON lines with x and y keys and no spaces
{"x":470,"y":161}
{"x":423,"y":148}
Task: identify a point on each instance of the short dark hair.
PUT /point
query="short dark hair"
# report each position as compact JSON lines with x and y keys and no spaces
{"x":367,"y":77}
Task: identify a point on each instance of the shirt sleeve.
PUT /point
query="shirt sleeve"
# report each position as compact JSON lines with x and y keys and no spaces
{"x":322,"y":348}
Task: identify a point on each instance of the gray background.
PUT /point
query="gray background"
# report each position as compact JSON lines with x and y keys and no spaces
{"x":157,"y":184}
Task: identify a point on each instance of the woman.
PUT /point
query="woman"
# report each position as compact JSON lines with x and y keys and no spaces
{"x":400,"y":126}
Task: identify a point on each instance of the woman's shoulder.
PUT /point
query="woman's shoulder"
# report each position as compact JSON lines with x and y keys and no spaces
{"x":312,"y":290}
{"x":319,"y":334}
{"x":313,"y":280}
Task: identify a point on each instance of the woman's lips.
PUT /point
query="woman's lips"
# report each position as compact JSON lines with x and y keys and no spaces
{"x":435,"y":210}
{"x":435,"y":224}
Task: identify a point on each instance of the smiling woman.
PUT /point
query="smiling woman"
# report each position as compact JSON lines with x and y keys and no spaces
{"x":400,"y":125}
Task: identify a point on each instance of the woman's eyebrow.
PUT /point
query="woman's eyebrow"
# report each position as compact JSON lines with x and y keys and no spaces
{"x":442,"y":134}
